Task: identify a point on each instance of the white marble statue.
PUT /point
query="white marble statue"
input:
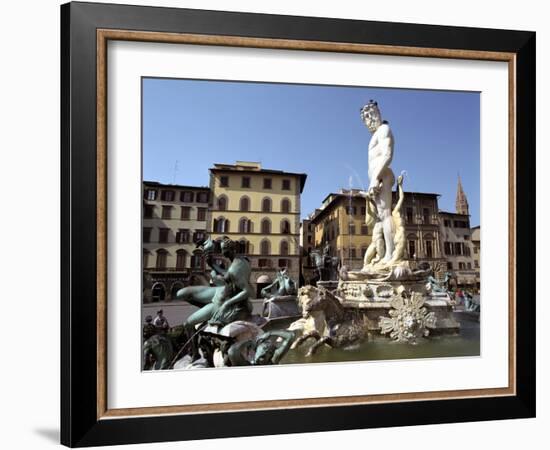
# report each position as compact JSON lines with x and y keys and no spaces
{"x":380,"y":174}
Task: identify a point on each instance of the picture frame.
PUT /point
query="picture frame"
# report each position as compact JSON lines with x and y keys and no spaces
{"x":86,"y":28}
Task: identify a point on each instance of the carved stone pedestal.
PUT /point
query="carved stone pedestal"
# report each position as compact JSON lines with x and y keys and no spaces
{"x":372,"y":298}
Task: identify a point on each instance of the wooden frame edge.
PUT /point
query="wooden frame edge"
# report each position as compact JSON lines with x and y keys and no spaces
{"x":101,"y":191}
{"x":103,"y":35}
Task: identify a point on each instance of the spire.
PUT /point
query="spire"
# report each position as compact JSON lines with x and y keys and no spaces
{"x":461,"y":200}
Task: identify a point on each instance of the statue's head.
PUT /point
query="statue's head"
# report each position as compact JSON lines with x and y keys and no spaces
{"x":370,"y":115}
{"x":228,"y":247}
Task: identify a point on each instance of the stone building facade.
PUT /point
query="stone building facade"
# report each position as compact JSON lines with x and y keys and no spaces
{"x":174,"y":218}
{"x":340,"y":222}
{"x":476,"y":253}
{"x":456,"y":238}
{"x":260,"y":210}
{"x":422,"y":227}
{"x":458,"y":245}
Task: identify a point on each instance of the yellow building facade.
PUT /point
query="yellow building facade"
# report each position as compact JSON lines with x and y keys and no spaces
{"x":260,"y":210}
{"x":340,"y":222}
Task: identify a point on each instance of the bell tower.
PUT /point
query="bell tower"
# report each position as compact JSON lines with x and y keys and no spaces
{"x":461,"y":200}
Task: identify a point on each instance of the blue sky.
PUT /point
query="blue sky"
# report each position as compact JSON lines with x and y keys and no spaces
{"x":312,"y":129}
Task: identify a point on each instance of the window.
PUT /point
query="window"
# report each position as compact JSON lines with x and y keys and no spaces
{"x":199,"y":235}
{"x":426,"y":215}
{"x":285,"y":205}
{"x":469,"y":266}
{"x":167,"y":196}
{"x":185,"y":212}
{"x":466,"y":237}
{"x":148,"y":211}
{"x":224,"y":181}
{"x":222,"y":203}
{"x":163,"y":234}
{"x":147,"y":234}
{"x":221,"y":225}
{"x":476,"y":264}
{"x":266,"y":205}
{"x":182,"y":236}
{"x":264,"y":263}
{"x":242,"y":247}
{"x":186,"y":196}
{"x":286,"y":185}
{"x":447,"y":223}
{"x":201,"y":214}
{"x":466,"y":250}
{"x":161,"y":258}
{"x":181,"y":258}
{"x":364,"y":229}
{"x":202,"y":197}
{"x":265,"y":247}
{"x":245,"y":182}
{"x":166,"y":212}
{"x":458,"y":248}
{"x":267,"y":183}
{"x":284,"y":248}
{"x":196,"y":262}
{"x":449,"y":266}
{"x":363,"y":211}
{"x":244,"y":204}
{"x":412,"y":249}
{"x":448,"y":248}
{"x":475,"y":250}
{"x":309,"y":239}
{"x":461,"y":224}
{"x":410,"y":215}
{"x":285,"y":227}
{"x":245,"y":225}
{"x":150,"y":194}
{"x":283,"y":262}
{"x":461,"y":266}
{"x":266,"y":226}
{"x":351,"y":210}
{"x":146,"y":254}
{"x":351,"y":228}
{"x":352,"y":252}
{"x":429,"y":249}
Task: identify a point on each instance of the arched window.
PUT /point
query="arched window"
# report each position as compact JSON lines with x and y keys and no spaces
{"x":266,"y":226}
{"x":221,"y":225}
{"x":244,"y":204}
{"x":242,"y":247}
{"x":428,"y":245}
{"x":245,"y":225}
{"x":411,"y":245}
{"x":266,"y":205}
{"x":222,"y":203}
{"x":146,"y":254}
{"x":181,"y":259}
{"x":285,"y":205}
{"x":176,"y":286}
{"x":161,"y":258}
{"x":284,"y":248}
{"x":265,"y":247}
{"x":285,"y":227}
{"x":158,"y":292}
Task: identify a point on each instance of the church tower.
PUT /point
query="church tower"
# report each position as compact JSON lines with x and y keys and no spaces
{"x":461,"y":200}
